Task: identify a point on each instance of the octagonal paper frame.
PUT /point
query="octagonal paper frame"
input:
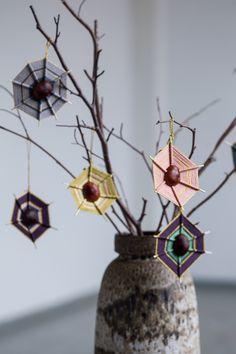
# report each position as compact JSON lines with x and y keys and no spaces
{"x":24,"y":82}
{"x":189,"y":182}
{"x":164,"y":241}
{"x":35,"y":231}
{"x":108,"y":193}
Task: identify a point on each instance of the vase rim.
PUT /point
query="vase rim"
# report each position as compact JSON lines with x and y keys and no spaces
{"x":145,"y":234}
{"x":136,"y":246}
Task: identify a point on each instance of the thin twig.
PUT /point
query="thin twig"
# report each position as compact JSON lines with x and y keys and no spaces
{"x":80,"y":7}
{"x":113,"y":223}
{"x":58,"y":33}
{"x":40,"y":147}
{"x":17,"y":116}
{"x":110,"y":133}
{"x":119,"y":218}
{"x":193,"y":132}
{"x":83,"y":140}
{"x":134,"y":148}
{"x":163,"y":214}
{"x":228,"y":175}
{"x":143,"y":212}
{"x":211,"y":157}
{"x":197,"y":113}
{"x":161,"y":131}
{"x":92,"y":153}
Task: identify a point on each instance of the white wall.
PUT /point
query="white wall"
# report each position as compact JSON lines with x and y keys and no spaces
{"x":69,"y":262}
{"x":181,"y":51}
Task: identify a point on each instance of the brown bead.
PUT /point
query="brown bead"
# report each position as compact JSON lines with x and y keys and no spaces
{"x":91,"y":191}
{"x":42,"y":89}
{"x":29,"y":217}
{"x":172,"y":176}
{"x":181,"y":245}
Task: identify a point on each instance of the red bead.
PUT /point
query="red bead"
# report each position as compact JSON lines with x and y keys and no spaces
{"x":172,"y":176}
{"x":42,"y":89}
{"x":181,"y":245}
{"x":29,"y":217}
{"x":91,"y":191}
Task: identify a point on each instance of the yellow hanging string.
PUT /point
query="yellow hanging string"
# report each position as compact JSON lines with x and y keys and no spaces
{"x":156,"y":251}
{"x":49,"y":42}
{"x":28,"y":162}
{"x":172,"y":133}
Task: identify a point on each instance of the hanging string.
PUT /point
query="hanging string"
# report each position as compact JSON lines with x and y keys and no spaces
{"x":48,"y":44}
{"x":172,"y":132}
{"x":28,"y":163}
{"x":156,"y":251}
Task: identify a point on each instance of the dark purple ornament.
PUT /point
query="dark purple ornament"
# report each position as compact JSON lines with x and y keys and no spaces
{"x":31,"y":216}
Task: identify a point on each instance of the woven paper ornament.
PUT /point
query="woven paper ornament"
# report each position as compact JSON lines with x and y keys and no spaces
{"x":93,"y":191}
{"x":179,"y":245}
{"x":31,"y":216}
{"x":175,"y":175}
{"x":40,"y":88}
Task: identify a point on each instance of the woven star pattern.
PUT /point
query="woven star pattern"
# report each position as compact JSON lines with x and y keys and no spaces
{"x":175,"y":175}
{"x":40,"y":89}
{"x":31,"y":216}
{"x":93,"y":191}
{"x":179,"y":245}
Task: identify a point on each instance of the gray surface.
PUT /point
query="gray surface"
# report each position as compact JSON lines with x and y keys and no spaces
{"x":69,"y":329}
{"x":217,"y":311}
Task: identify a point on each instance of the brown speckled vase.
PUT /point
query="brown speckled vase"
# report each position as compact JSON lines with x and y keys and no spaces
{"x":143,"y":307}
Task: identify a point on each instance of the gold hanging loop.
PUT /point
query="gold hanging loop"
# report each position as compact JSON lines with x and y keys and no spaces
{"x":172,"y":131}
{"x":48,"y":44}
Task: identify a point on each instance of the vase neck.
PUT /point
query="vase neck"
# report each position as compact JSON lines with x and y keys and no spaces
{"x":128,"y":245}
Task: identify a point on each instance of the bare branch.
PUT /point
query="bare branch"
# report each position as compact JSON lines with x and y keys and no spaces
{"x":160,"y":119}
{"x":211,"y":157}
{"x":109,"y":135}
{"x":113,"y":223}
{"x":122,"y":189}
{"x":17,"y":116}
{"x":221,"y":185}
{"x":83,"y":139}
{"x":80,"y":7}
{"x":143,"y":212}
{"x":139,"y":152}
{"x":81,"y":145}
{"x":198,"y":113}
{"x":40,"y":147}
{"x":163,"y":215}
{"x":119,"y":218}
{"x":58,"y":33}
{"x":193,"y":132}
{"x":100,"y":74}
